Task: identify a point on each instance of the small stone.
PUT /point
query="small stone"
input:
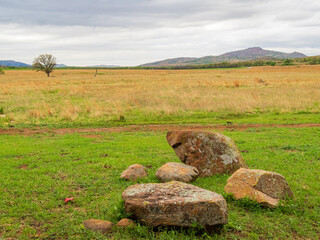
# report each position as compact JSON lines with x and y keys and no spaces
{"x":175,"y":204}
{"x":265,"y":187}
{"x":210,"y":152}
{"x":126,"y":223}
{"x":134,"y":172}
{"x":98,"y":225}
{"x":178,"y":172}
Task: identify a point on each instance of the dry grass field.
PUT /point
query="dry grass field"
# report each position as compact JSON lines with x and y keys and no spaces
{"x":75,"y":95}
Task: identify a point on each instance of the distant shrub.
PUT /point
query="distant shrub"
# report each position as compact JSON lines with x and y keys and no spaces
{"x":314,"y":60}
{"x":1,"y":71}
{"x":287,"y":62}
{"x":1,"y":110}
{"x":271,"y":63}
{"x":310,"y":60}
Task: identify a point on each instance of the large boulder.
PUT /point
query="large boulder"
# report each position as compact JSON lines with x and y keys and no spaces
{"x":210,"y":152}
{"x":175,"y":204}
{"x":178,"y":172}
{"x":267,"y":188}
{"x":134,"y":172}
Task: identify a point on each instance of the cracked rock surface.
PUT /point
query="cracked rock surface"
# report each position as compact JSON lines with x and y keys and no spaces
{"x":265,"y":187}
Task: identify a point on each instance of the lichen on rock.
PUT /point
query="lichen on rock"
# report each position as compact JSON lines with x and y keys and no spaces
{"x":210,"y":152}
{"x":265,"y":187}
{"x":175,"y":204}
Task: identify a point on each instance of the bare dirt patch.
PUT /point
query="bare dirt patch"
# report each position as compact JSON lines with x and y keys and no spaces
{"x":23,"y":166}
{"x":94,"y":136}
{"x":146,"y":128}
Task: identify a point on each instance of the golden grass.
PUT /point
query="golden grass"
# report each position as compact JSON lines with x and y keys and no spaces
{"x":26,"y":95}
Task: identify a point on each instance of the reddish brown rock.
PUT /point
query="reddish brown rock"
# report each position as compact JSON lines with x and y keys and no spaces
{"x":98,"y":225}
{"x":126,"y":223}
{"x":134,"y":172}
{"x":210,"y":152}
{"x":178,"y":172}
{"x":267,"y":188}
{"x":175,"y":204}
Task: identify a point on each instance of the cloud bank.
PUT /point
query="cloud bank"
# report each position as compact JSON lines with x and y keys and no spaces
{"x":135,"y":32}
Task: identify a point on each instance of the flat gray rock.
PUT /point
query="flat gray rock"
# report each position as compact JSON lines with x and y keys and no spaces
{"x":175,"y":204}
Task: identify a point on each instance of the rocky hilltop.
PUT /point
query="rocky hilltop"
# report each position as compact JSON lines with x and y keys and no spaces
{"x":235,"y":56}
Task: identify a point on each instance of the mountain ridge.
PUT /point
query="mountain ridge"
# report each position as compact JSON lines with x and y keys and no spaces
{"x":234,"y":56}
{"x":11,"y":63}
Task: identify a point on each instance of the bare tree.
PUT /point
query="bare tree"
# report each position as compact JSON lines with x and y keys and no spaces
{"x":44,"y":63}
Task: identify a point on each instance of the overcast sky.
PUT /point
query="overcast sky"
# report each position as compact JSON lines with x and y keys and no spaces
{"x":133,"y":32}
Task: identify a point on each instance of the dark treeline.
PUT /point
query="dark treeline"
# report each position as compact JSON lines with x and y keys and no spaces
{"x":13,"y":67}
{"x":220,"y":65}
{"x":282,"y":62}
{"x":254,"y":63}
{"x":309,"y":60}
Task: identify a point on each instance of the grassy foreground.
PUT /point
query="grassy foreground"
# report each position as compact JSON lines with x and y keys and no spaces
{"x":38,"y":172}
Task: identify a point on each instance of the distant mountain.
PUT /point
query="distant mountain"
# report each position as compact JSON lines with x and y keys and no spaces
{"x":171,"y":62}
{"x":61,"y":66}
{"x":11,"y":63}
{"x":235,"y":56}
{"x":104,"y":66}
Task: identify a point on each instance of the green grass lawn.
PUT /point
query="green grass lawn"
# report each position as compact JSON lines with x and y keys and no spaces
{"x":182,"y":118}
{"x":38,"y":172}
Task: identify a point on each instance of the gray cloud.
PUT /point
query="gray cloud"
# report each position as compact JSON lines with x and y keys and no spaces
{"x":121,"y":13}
{"x":130,"y":32}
